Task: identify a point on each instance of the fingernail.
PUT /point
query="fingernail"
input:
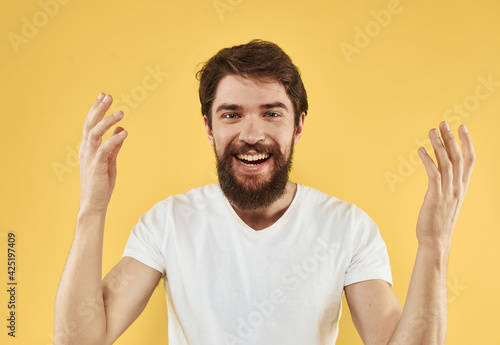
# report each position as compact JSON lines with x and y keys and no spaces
{"x":105,"y":99}
{"x":436,"y":133}
{"x":118,"y":113}
{"x":465,"y":129}
{"x":122,"y":132}
{"x":446,"y":126}
{"x":100,"y":96}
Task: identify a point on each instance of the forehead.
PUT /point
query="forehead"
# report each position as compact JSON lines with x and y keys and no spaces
{"x":249,"y":92}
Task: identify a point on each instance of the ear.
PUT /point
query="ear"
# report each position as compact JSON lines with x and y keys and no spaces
{"x":299,"y":129}
{"x":210,"y":135}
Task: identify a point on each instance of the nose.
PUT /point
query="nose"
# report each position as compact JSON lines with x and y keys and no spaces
{"x":252,"y":131}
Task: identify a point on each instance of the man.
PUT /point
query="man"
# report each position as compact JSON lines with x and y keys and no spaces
{"x":255,"y":259}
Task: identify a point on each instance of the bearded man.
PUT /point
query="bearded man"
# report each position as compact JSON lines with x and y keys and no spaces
{"x":256,"y":258}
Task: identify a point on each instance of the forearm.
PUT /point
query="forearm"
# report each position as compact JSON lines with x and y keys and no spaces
{"x":79,"y":315}
{"x":424,"y":317}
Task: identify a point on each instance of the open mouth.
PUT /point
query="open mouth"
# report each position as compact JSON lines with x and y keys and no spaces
{"x":253,"y":160}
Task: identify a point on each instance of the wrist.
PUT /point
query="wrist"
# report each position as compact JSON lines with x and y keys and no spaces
{"x":88,"y":207}
{"x":435,"y":253}
{"x":90,"y":212}
{"x":90,"y":217}
{"x":439,"y":245}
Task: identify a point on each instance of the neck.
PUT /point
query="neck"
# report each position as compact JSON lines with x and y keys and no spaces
{"x":262,"y":218}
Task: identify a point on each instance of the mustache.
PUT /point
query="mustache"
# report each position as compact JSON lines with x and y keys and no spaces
{"x":232,"y":150}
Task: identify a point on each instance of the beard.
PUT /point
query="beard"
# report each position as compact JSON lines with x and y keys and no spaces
{"x":250,"y":192}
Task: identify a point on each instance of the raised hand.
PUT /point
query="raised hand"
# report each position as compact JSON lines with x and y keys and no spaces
{"x":448,"y":183}
{"x":97,"y":159}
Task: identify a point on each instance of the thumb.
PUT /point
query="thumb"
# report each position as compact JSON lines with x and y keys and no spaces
{"x":113,"y":156}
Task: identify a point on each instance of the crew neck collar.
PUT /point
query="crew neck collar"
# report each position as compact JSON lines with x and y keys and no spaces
{"x":273,"y":226}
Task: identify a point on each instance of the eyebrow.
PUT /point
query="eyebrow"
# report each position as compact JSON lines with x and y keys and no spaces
{"x":226,"y":106}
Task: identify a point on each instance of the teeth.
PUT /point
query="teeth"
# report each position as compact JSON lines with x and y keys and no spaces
{"x":251,"y":158}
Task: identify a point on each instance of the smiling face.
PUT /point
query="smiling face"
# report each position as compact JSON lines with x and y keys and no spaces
{"x":253,"y":133}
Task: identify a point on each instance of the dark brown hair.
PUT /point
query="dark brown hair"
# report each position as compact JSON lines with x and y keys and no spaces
{"x":256,"y":59}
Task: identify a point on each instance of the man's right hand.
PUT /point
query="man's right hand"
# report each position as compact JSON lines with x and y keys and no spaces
{"x":98,"y":160}
{"x":118,"y":299}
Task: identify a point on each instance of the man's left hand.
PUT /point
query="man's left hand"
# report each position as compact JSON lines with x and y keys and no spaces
{"x":448,"y":183}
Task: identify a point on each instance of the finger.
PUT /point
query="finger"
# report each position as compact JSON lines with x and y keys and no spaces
{"x":444,"y":164}
{"x":468,"y":154}
{"x":96,"y":114}
{"x":454,"y":155}
{"x":113,"y":156}
{"x":432,"y":171}
{"x":83,"y":142}
{"x":96,"y":133}
{"x":108,"y":146}
{"x":96,"y":102}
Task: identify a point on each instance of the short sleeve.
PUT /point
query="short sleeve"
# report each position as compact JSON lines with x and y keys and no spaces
{"x":369,"y":258}
{"x":146,"y":239}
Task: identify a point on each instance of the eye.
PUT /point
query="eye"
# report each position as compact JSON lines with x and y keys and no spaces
{"x":271,"y":114}
{"x":230,"y":116}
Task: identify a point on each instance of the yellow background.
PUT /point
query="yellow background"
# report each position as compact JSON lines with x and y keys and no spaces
{"x":367,"y":109}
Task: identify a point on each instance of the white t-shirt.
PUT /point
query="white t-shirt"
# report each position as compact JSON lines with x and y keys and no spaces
{"x":229,"y":284}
